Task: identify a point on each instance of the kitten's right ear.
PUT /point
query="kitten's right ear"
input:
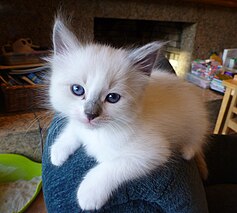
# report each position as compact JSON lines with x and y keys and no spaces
{"x":63,"y":39}
{"x":145,"y":57}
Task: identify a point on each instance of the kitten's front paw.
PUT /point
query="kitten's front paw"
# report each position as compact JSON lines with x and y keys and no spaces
{"x":58,"y":154}
{"x":92,"y":195}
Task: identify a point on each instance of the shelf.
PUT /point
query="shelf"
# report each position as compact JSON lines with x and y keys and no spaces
{"x":229,"y":69}
{"x":5,"y":67}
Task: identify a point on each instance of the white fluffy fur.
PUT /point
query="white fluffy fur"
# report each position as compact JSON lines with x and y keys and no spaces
{"x":155,"y":115}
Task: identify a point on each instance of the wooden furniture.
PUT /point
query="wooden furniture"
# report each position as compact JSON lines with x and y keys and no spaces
{"x":225,"y":3}
{"x":227,"y":118}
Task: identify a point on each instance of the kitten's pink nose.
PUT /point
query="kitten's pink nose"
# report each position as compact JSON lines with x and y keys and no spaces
{"x":91,"y":116}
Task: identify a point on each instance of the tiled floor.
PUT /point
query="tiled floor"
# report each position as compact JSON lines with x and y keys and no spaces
{"x":23,"y":133}
{"x":20,"y":133}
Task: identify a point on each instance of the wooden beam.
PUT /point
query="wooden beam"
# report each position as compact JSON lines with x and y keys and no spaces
{"x":225,"y":3}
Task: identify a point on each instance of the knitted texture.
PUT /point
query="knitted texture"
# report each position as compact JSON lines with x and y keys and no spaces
{"x":175,"y":187}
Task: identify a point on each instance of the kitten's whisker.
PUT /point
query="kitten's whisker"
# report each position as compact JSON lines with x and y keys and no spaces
{"x":29,"y":126}
{"x":120,"y":126}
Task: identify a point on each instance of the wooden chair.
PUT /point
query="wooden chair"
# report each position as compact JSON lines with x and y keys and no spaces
{"x":227,"y":118}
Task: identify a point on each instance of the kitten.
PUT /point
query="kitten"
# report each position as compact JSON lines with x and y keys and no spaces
{"x":129,"y":120}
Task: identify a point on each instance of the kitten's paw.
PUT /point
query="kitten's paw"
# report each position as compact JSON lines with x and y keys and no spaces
{"x":188,"y":152}
{"x":58,"y":154}
{"x":92,"y":195}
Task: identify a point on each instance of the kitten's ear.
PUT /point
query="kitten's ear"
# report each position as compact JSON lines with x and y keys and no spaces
{"x":145,"y":57}
{"x":63,"y":39}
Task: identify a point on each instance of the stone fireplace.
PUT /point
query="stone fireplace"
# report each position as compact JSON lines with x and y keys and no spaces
{"x":127,"y":32}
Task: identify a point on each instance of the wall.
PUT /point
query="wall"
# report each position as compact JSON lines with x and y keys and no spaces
{"x":215,"y":27}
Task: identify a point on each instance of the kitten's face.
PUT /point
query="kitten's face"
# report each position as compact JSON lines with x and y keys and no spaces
{"x":94,"y":84}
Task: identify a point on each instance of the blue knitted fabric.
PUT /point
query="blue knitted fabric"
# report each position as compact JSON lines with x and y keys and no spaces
{"x":174,"y":188}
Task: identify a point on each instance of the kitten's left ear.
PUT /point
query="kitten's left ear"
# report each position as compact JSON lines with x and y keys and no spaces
{"x":63,"y":39}
{"x":144,"y":57}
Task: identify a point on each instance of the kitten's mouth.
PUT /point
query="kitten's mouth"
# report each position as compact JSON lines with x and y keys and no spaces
{"x":96,"y":123}
{"x":91,"y":123}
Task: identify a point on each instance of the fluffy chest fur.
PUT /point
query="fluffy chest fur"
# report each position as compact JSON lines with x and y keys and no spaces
{"x":104,"y":144}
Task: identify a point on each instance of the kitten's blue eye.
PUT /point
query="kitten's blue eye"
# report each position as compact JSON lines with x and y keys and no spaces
{"x":77,"y":89}
{"x":112,"y":98}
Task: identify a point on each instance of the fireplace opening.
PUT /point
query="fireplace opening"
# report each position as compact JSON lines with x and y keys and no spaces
{"x":126,"y":32}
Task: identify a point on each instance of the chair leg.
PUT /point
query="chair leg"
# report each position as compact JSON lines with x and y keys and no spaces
{"x":230,"y":112}
{"x":222,"y":110}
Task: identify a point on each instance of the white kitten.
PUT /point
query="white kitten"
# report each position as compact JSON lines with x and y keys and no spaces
{"x":129,"y":121}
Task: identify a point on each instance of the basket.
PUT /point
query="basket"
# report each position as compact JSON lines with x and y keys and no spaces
{"x":22,"y":98}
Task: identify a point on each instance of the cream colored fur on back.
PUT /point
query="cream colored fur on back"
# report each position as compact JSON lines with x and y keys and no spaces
{"x":176,"y":110}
